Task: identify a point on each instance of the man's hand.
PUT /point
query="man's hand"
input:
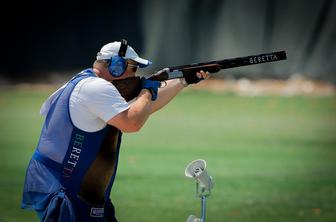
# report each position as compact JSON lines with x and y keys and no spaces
{"x":151,"y":85}
{"x":192,"y":78}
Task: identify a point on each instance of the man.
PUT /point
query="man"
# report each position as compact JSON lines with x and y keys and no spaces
{"x":71,"y":173}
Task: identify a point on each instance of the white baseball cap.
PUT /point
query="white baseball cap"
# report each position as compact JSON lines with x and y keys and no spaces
{"x":112,"y":49}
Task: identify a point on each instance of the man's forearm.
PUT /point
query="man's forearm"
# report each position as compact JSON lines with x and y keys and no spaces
{"x":166,"y":94}
{"x":141,"y":108}
{"x":132,"y":119}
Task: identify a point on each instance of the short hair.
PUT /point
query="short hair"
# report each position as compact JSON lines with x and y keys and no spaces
{"x":99,"y":63}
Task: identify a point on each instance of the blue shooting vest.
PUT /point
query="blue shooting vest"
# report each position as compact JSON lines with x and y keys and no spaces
{"x":70,"y":176}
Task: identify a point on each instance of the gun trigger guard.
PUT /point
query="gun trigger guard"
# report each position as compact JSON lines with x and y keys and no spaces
{"x":163,"y":84}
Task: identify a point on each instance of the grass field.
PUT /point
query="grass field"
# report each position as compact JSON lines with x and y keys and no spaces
{"x":272,"y":158}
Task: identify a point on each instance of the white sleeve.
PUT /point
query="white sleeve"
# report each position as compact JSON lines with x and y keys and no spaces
{"x":102,"y":98}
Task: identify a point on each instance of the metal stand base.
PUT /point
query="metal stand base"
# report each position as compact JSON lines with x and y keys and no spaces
{"x":193,"y":218}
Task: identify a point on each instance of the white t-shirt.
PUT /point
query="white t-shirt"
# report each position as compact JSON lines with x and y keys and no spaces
{"x":93,"y":102}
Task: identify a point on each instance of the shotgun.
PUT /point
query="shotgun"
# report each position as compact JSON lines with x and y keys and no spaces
{"x":129,"y":88}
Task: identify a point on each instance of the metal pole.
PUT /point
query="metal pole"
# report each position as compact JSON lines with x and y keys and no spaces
{"x":203,"y":208}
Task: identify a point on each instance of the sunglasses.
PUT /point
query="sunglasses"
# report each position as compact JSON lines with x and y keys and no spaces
{"x":133,"y":66}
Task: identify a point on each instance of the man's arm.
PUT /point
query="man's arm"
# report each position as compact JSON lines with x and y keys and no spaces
{"x":132,"y":119}
{"x":166,"y":94}
{"x":173,"y":87}
{"x":148,"y":101}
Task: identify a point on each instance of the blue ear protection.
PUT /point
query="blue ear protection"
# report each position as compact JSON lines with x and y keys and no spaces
{"x":117,"y":64}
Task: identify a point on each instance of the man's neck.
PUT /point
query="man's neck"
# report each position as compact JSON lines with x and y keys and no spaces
{"x":102,"y":74}
{"x":96,"y":71}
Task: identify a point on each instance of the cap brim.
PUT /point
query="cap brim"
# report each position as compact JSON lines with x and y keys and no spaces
{"x":142,"y":62}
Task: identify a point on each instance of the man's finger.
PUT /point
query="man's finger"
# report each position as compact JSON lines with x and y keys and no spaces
{"x":202,"y":75}
{"x":205,"y":75}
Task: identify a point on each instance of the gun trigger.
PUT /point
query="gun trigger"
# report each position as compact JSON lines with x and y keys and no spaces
{"x":163,"y":84}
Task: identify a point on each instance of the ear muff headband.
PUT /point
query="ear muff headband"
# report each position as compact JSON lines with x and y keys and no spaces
{"x":123,"y":48}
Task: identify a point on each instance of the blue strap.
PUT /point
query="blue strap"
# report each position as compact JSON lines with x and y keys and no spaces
{"x":57,"y":167}
{"x":85,"y":73}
